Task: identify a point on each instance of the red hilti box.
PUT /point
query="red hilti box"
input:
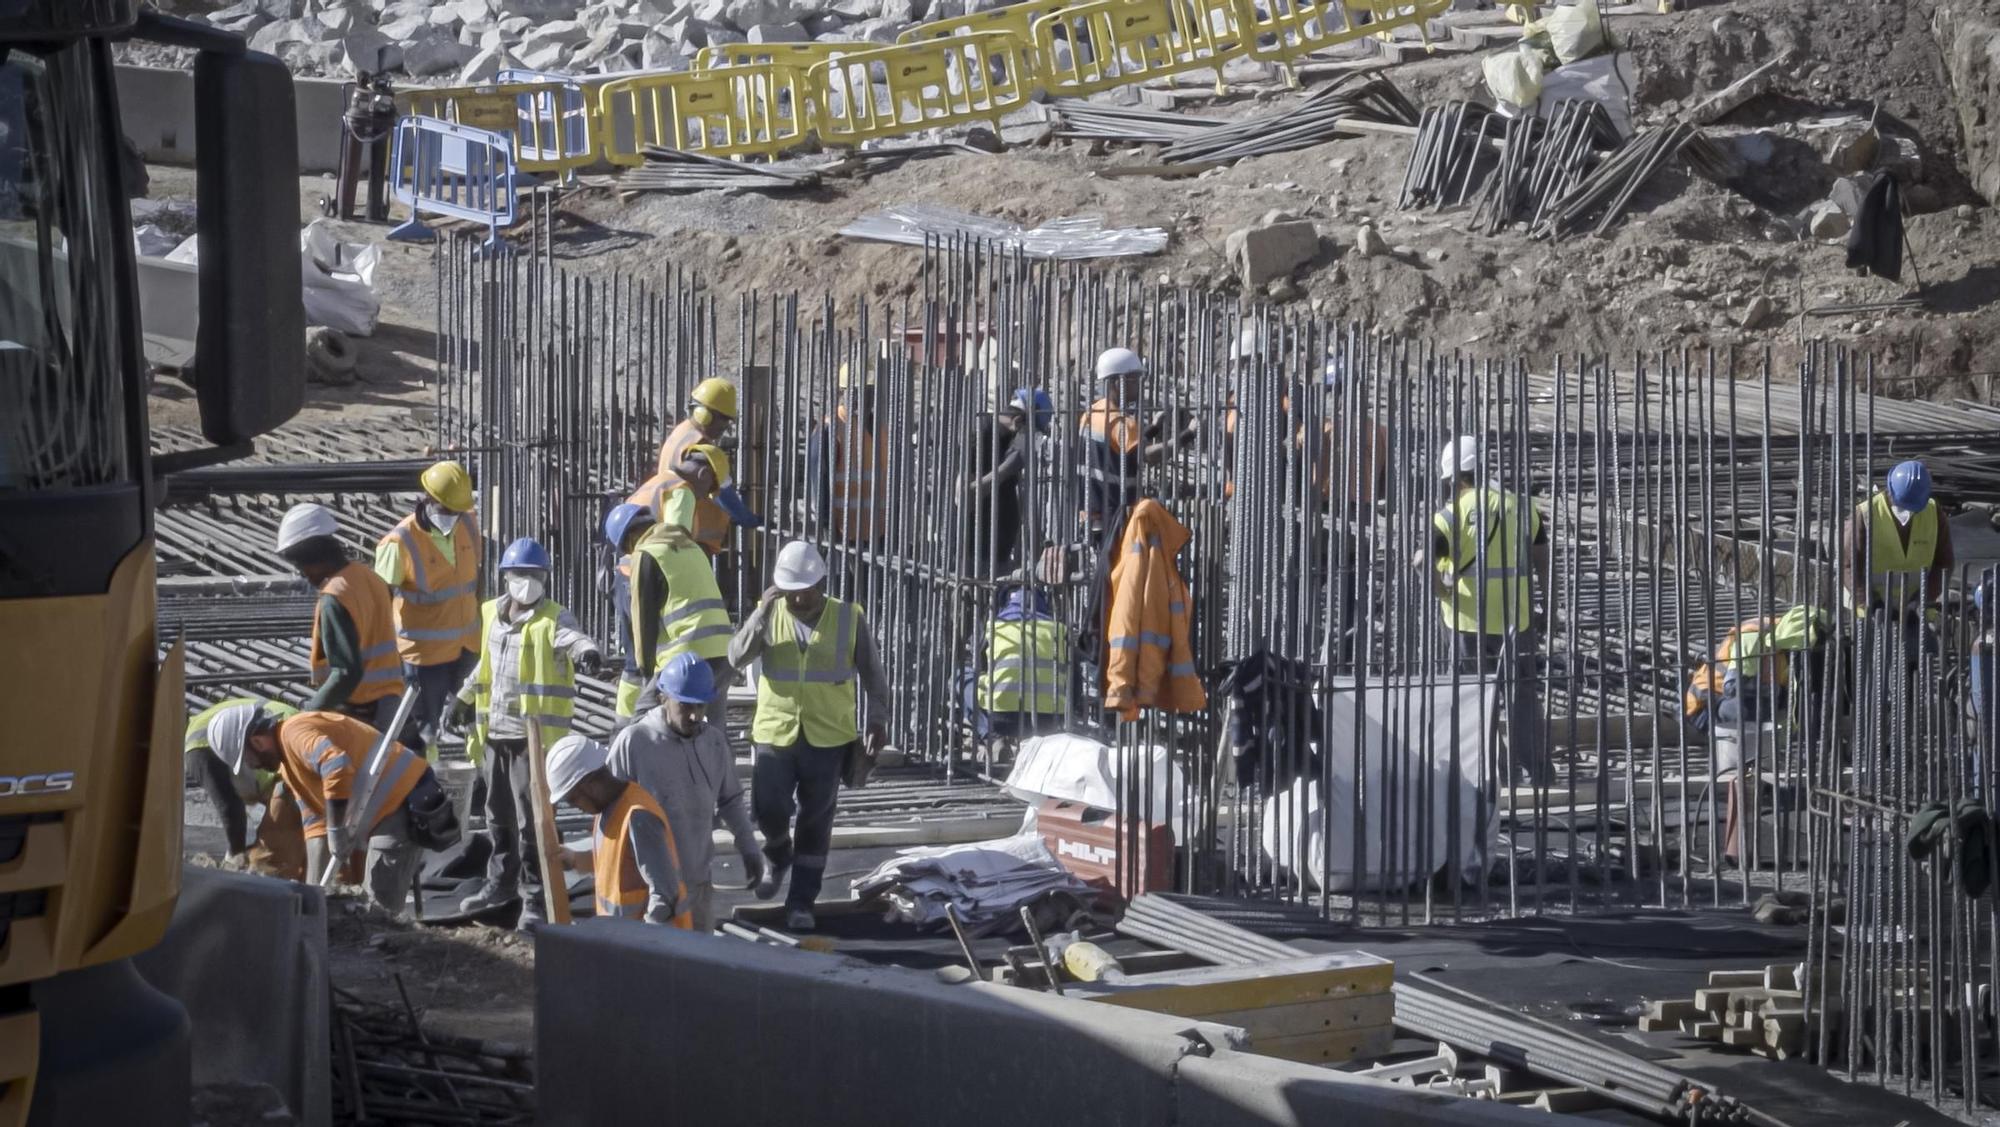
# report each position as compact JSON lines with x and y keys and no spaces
{"x":1087,"y":840}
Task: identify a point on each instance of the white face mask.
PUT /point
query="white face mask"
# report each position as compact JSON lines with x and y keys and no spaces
{"x":1902,"y":515}
{"x":525,"y":590}
{"x":444,"y":519}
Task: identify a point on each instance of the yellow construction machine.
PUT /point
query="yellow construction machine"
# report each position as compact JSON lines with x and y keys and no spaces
{"x":90,"y":711}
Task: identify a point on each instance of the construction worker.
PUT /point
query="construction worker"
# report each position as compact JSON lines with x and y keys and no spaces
{"x":1116,"y":444}
{"x":430,"y":561}
{"x":846,"y":463}
{"x":530,"y":652}
{"x":711,"y":411}
{"x":684,"y":762}
{"x":813,"y":649}
{"x":632,"y":851}
{"x":1001,"y":453}
{"x":623,"y":526}
{"x":1024,"y":688}
{"x":1481,"y":545}
{"x":324,"y":760}
{"x":1905,"y":555}
{"x":279,"y":848}
{"x":676,"y":605}
{"x":354,"y":662}
{"x":697,"y":494}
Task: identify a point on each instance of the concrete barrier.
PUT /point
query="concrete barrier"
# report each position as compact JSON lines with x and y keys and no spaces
{"x":635,"y":1024}
{"x":156,"y":109}
{"x":246,"y":956}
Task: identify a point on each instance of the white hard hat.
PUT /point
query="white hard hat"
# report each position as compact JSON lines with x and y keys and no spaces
{"x":1459,"y":456}
{"x":228,"y":730}
{"x":573,"y":757}
{"x":303,"y":522}
{"x":799,"y":567}
{"x":1246,"y":346}
{"x":1119,"y":362}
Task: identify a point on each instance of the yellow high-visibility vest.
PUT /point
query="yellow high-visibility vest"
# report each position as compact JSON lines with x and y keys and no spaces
{"x":809,"y":690}
{"x":1483,"y":531}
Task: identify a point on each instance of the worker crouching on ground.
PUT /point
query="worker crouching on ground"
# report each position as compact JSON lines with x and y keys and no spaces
{"x":279,"y":848}
{"x":681,"y":758}
{"x":324,"y":761}
{"x":1116,"y":444}
{"x":814,"y":650}
{"x":1901,"y":542}
{"x":1023,"y":688}
{"x":1483,"y":542}
{"x":430,"y":561}
{"x":354,"y":660}
{"x":530,"y":651}
{"x":638,"y":872}
{"x":676,"y":605}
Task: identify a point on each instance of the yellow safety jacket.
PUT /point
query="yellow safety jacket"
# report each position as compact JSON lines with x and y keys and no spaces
{"x":809,"y":689}
{"x":196,"y":738}
{"x":693,"y":618}
{"x":1887,"y":554}
{"x":1483,"y":530}
{"x":547,"y":679}
{"x":1027,"y":668}
{"x":1742,"y":652}
{"x":436,"y":603}
{"x":621,"y":889}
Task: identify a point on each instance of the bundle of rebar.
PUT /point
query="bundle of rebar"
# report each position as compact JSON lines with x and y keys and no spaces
{"x":1609,"y":188}
{"x":288,"y":479}
{"x":676,"y":170}
{"x":1353,"y":101}
{"x":388,"y":1068}
{"x":1096,"y":121}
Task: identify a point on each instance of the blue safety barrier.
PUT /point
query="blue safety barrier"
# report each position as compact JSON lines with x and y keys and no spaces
{"x":444,"y":168}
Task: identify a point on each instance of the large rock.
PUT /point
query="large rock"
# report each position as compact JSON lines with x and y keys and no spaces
{"x":539,"y":9}
{"x":872,"y":31}
{"x":657,"y":52}
{"x":598,"y":48}
{"x":1852,"y":150}
{"x":599,"y":17}
{"x":435,"y":51}
{"x":403,"y":27}
{"x":1848,"y":193}
{"x":749,"y":13}
{"x":366,"y":49}
{"x":1826,"y":221}
{"x":777,"y":33}
{"x":568,"y":33}
{"x":485,"y":65}
{"x":821,"y":24}
{"x":290,"y":40}
{"x":242,"y":19}
{"x":1271,"y":249}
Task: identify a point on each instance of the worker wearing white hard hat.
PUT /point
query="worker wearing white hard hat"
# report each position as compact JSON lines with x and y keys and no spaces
{"x":1487,"y":557}
{"x":847,"y":457}
{"x":355,"y":666}
{"x":638,"y":871}
{"x":814,"y":653}
{"x":212,"y":755}
{"x":1118,"y":442}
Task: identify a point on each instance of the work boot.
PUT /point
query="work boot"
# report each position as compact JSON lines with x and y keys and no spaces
{"x":799,"y":919}
{"x":487,"y":899}
{"x":471,"y":861}
{"x":772,"y":882}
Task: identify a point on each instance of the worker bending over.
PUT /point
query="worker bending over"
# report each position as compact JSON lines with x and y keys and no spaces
{"x":1001,"y":454}
{"x":638,"y":873}
{"x":1023,"y":689}
{"x":430,"y":561}
{"x":530,"y":652}
{"x":847,"y":460}
{"x":697,"y":495}
{"x":1901,"y":542}
{"x":1116,"y":444}
{"x":354,"y":662}
{"x":814,"y":650}
{"x":676,"y":604}
{"x":324,"y":760}
{"x":683,"y":760}
{"x":279,"y":849}
{"x":1482,"y":544}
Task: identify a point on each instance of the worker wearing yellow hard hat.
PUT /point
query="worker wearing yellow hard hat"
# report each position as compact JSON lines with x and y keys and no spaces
{"x":430,"y":560}
{"x":711,"y":411}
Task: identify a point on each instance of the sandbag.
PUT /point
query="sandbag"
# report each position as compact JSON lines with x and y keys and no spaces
{"x":338,"y":281}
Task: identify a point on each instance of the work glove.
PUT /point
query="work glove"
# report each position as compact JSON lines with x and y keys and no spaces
{"x":739,"y":510}
{"x":461,"y":713}
{"x":341,"y":844}
{"x":236,"y":862}
{"x":753,"y":870}
{"x":590,"y":663}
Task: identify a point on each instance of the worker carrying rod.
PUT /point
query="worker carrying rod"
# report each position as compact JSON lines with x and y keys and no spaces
{"x":814,"y":650}
{"x":632,"y":855}
{"x":430,"y":561}
{"x":353,"y":650}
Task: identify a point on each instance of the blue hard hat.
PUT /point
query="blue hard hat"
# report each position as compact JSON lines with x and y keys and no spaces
{"x":1035,"y":403}
{"x":524,"y":553}
{"x":620,"y":520}
{"x":1910,"y":486}
{"x":687,"y":679}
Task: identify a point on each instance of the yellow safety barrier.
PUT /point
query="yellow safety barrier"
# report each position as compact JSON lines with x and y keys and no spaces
{"x":1285,"y":29}
{"x":1105,"y":43}
{"x":759,"y":109}
{"x":907,"y":87}
{"x":1016,"y":21}
{"x":550,"y":120}
{"x":799,"y":55}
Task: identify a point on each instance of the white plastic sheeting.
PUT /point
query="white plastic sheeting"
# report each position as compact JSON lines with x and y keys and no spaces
{"x":339,"y":280}
{"x":1406,"y":772}
{"x":1080,"y":769}
{"x":986,"y":880}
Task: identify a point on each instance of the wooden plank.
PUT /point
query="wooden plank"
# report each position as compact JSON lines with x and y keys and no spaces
{"x":1735,"y":979}
{"x":1742,"y":1038}
{"x":1328,"y":1048}
{"x":1781,"y":977}
{"x":1712,"y":999}
{"x":1332,"y":1015}
{"x":1202,"y":991}
{"x":548,"y":843}
{"x":1706,"y":1030}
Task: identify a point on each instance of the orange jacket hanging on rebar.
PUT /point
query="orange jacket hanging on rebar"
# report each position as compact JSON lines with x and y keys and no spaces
{"x":859,"y":456}
{"x":1148,"y":660}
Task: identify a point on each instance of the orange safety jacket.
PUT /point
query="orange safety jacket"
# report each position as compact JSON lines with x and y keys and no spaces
{"x":324,"y":755}
{"x":621,"y":889}
{"x":1149,"y":662}
{"x":1111,"y":459}
{"x":437,"y":603}
{"x":675,"y":448}
{"x":1709,"y":682}
{"x":857,"y":481}
{"x":362,"y":594}
{"x":711,"y":522}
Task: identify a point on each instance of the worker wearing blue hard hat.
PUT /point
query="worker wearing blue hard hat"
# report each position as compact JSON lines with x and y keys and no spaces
{"x":623,"y":526}
{"x":530,"y":651}
{"x":681,"y":758}
{"x":1898,"y":548}
{"x":1002,"y":449}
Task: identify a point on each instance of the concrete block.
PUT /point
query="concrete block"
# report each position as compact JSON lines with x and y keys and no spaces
{"x":246,"y":956}
{"x":1233,"y":1089}
{"x":1270,"y":251}
{"x":632,"y":1019}
{"x":156,"y":105}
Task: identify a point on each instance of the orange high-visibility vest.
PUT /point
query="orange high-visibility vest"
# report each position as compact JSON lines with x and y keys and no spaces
{"x":858,"y":459}
{"x":1111,"y":461}
{"x":1708,"y":682}
{"x":325,"y":754}
{"x":675,"y":448}
{"x":711,"y":523}
{"x":362,"y":594}
{"x":621,"y":890}
{"x":437,"y":603}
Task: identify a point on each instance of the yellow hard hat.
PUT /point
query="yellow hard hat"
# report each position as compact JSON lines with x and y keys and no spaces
{"x":449,"y":485}
{"x":717,"y":460}
{"x":716,"y":394}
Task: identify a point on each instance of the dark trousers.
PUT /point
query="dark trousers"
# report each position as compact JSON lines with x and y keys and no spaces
{"x":510,"y":822}
{"x":621,"y":597}
{"x":1486,"y":655}
{"x":435,"y":686}
{"x":804,"y":779}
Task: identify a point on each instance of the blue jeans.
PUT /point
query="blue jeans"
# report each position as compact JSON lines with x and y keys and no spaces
{"x":435,"y":686}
